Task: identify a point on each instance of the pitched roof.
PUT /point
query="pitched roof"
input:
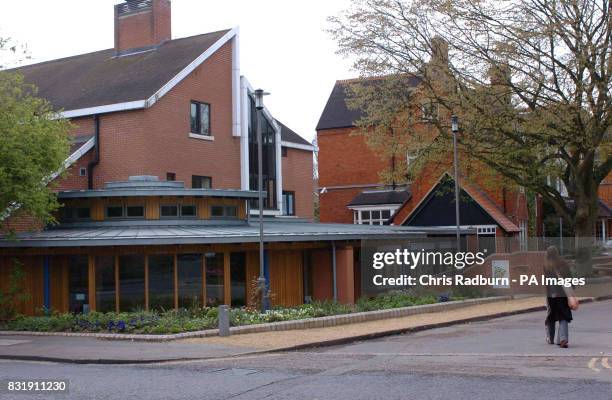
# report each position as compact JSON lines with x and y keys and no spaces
{"x":101,"y":78}
{"x":490,"y":207}
{"x":289,"y":135}
{"x":380,"y":197}
{"x":336,"y":114}
{"x":479,"y":196}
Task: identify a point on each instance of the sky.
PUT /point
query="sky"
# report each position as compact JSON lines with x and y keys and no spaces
{"x":284,"y":47}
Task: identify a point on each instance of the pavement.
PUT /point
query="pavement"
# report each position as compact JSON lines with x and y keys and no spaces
{"x":503,"y":358}
{"x":94,"y":350}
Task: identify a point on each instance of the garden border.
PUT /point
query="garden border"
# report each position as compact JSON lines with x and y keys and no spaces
{"x":307,"y":323}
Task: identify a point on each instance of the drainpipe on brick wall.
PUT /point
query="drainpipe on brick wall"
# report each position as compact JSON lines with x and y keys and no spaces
{"x":96,"y":160}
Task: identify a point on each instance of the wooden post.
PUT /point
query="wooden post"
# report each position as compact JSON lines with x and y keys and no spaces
{"x":227,"y":279}
{"x":146,"y":281}
{"x":117,"y":283}
{"x":91,"y":272}
{"x":175,"y":262}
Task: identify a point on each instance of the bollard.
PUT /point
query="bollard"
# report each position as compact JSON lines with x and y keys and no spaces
{"x":224,"y":321}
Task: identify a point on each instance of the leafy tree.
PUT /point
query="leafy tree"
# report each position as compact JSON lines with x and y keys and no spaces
{"x":529,"y":79}
{"x":33,"y":146}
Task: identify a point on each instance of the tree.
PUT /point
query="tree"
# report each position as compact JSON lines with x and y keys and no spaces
{"x":529,"y":79}
{"x":33,"y":146}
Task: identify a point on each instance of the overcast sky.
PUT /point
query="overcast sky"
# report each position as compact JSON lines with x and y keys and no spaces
{"x":284,"y":48}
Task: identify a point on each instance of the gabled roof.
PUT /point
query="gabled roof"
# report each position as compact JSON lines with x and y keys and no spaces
{"x":290,"y":136}
{"x":380,"y":197}
{"x":79,"y":83}
{"x":336,"y":113}
{"x":478,"y":195}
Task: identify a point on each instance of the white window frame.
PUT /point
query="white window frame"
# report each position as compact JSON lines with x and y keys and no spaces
{"x":358,"y":214}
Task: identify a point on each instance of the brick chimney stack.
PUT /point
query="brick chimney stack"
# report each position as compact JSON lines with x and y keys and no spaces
{"x":141,"y":24}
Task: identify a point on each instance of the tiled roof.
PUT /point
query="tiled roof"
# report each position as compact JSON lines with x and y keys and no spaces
{"x":101,"y":78}
{"x":288,"y":135}
{"x":336,"y":114}
{"x":489,"y":206}
{"x":379,"y":197}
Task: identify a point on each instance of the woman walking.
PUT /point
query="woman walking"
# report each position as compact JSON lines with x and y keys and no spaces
{"x":557,"y":299}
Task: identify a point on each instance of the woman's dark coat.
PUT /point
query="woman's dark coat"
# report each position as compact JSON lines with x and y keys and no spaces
{"x":558,"y":307}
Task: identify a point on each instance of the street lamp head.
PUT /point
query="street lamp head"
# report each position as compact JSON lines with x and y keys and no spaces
{"x":259,"y":94}
{"x":454,"y":124}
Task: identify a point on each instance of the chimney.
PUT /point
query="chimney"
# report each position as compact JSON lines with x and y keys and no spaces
{"x":439,"y":51}
{"x":141,"y":24}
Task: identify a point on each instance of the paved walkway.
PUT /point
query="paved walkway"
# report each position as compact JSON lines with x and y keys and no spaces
{"x":295,"y":338}
{"x":92,"y":350}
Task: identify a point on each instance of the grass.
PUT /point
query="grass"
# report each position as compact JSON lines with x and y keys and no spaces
{"x":201,"y":318}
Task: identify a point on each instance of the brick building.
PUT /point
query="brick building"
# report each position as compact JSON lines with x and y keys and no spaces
{"x":159,"y":189}
{"x":352,"y":190}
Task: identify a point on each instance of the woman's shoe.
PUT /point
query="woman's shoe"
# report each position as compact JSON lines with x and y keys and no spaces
{"x":549,"y":340}
{"x":563,"y":344}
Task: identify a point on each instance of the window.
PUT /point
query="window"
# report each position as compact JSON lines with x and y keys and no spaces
{"x":169,"y":211}
{"x":131,"y":282}
{"x":371,"y":217}
{"x":201,"y":182}
{"x":105,"y":283}
{"x":134,"y":211}
{"x":200,"y":118}
{"x":283,"y":151}
{"x":430,"y":111}
{"x":75,"y":213}
{"x":172,"y":210}
{"x":214,"y":278}
{"x":224,"y":211}
{"x":269,"y":155}
{"x":288,"y":203}
{"x":188,"y":211}
{"x":189,"y":274}
{"x":83,"y":171}
{"x":161,"y":282}
{"x":78,"y":283}
{"x":114,"y":211}
{"x":170,"y":176}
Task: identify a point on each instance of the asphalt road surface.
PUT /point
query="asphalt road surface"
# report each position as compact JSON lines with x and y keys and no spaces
{"x":505,"y":358}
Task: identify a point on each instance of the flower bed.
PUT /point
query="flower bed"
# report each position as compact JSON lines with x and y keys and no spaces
{"x":194,"y":319}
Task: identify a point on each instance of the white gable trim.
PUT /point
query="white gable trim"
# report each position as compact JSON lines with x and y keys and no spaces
{"x":298,"y":146}
{"x":191,"y":67}
{"x":72,"y":158}
{"x":130,"y":105}
{"x":138,"y":104}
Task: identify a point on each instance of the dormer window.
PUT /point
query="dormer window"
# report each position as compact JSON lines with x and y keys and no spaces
{"x":200,"y":118}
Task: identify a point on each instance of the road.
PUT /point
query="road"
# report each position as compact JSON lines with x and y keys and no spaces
{"x":505,"y":358}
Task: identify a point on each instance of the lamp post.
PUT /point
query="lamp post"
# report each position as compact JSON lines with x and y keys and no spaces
{"x":455,"y":130}
{"x":261,"y":281}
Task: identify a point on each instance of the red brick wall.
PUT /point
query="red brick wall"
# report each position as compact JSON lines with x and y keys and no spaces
{"x":156,"y":140}
{"x":346,"y":159}
{"x":297,"y":177}
{"x":146,"y":28}
{"x":332,"y":205}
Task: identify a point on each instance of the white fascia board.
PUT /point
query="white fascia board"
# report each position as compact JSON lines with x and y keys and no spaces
{"x":297,"y":146}
{"x":130,"y":105}
{"x":236,"y":86}
{"x":191,"y":67}
{"x":391,"y":207}
{"x":244,"y":134}
{"x":138,"y":104}
{"x":81,"y":151}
